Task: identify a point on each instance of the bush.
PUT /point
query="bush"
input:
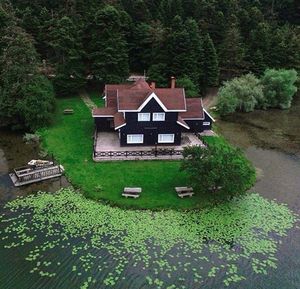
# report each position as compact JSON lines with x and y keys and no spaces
{"x":38,"y":103}
{"x":218,"y":168}
{"x":242,"y":93}
{"x":191,"y":89}
{"x":279,"y":88}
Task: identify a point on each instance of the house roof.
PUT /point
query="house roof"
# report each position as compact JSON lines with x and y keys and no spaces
{"x":182,"y":122}
{"x":133,"y":97}
{"x":119,"y":120}
{"x":104,"y":111}
{"x":194,"y":109}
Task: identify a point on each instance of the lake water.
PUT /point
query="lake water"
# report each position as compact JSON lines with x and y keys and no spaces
{"x":271,"y":140}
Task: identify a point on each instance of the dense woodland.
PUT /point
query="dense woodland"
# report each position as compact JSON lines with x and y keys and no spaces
{"x":201,"y":42}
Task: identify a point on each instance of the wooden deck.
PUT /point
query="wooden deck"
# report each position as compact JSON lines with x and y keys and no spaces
{"x":25,"y":176}
{"x":107,"y":148}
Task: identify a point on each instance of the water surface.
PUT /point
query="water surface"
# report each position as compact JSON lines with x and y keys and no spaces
{"x":270,"y":139}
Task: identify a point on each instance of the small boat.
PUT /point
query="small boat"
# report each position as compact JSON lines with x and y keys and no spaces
{"x":36,"y":171}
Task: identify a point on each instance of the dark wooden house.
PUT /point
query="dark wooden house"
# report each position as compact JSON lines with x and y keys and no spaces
{"x":145,"y":115}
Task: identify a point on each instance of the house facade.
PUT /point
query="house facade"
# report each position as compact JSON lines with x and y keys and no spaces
{"x":145,"y":115}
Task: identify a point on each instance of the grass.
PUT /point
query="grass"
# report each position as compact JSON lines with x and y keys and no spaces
{"x":70,"y":141}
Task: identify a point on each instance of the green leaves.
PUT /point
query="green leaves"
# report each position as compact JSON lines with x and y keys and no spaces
{"x":168,"y":243}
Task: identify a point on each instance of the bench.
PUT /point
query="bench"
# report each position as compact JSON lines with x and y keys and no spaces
{"x":68,"y":111}
{"x":184,"y":192}
{"x":131,"y":192}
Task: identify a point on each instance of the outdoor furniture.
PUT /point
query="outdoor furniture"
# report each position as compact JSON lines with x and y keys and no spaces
{"x":68,"y":111}
{"x":131,"y":192}
{"x":184,"y":192}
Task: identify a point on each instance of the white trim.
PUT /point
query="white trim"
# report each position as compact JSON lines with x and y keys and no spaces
{"x":162,"y":134}
{"x":192,"y":118}
{"x":118,"y":99}
{"x":184,"y":99}
{"x":129,"y":135}
{"x":152,"y":95}
{"x":102,"y":115}
{"x":156,"y":113}
{"x":142,"y":114}
{"x":120,"y":126}
{"x":180,"y":123}
{"x":206,"y":123}
{"x":209,"y":114}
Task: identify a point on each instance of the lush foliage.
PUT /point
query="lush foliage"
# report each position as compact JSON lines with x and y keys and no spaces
{"x":275,"y":89}
{"x":196,"y":38}
{"x":213,"y":242}
{"x":191,"y":89}
{"x":279,"y":87}
{"x":219,"y":168}
{"x":26,"y":97}
{"x":70,"y":140}
{"x":241,"y":93}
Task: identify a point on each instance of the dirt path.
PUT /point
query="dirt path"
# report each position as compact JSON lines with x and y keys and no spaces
{"x":86,"y":99}
{"x":210,"y":98}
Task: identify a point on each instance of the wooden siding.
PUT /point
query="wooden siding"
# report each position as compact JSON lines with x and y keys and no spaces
{"x":197,"y":125}
{"x":104,"y":123}
{"x":151,"y":129}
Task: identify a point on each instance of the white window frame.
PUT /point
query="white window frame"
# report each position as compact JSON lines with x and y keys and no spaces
{"x":206,"y":123}
{"x":130,"y":141}
{"x":144,"y":116}
{"x":162,"y":135}
{"x":156,"y":118}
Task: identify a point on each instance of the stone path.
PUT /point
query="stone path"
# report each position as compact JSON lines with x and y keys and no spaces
{"x":86,"y":99}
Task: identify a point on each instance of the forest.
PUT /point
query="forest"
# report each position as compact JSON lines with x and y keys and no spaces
{"x":52,"y":48}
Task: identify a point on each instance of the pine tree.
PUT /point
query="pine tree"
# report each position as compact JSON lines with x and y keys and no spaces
{"x":170,"y":9}
{"x":107,"y":50}
{"x":19,"y":73}
{"x":210,"y":76}
{"x":178,"y":48}
{"x":67,"y":47}
{"x":232,"y":52}
{"x":194,"y":64}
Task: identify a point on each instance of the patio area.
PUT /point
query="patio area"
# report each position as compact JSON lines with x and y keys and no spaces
{"x":107,"y":148}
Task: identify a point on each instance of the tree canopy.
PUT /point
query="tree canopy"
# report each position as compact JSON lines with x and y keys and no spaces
{"x":218,"y":168}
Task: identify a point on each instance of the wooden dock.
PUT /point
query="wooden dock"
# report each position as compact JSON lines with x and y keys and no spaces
{"x":27,"y":175}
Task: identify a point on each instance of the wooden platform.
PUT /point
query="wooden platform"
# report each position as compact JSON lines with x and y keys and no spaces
{"x":25,"y":176}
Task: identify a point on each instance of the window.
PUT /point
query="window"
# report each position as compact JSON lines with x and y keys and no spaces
{"x":206,"y":123}
{"x":144,"y":116}
{"x":165,"y":138}
{"x":158,"y":116}
{"x":135,"y":138}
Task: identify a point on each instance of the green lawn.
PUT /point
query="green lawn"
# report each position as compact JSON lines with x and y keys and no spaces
{"x":70,"y":140}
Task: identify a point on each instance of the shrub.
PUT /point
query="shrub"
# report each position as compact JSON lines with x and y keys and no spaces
{"x":279,"y":88}
{"x":242,"y":93}
{"x":191,"y":89}
{"x":38,"y":103}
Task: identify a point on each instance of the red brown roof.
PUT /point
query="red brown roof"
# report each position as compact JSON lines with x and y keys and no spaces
{"x":194,"y":109}
{"x":132,"y":99}
{"x":104,"y":111}
{"x":126,"y":97}
{"x":182,"y":122}
{"x":119,"y":120}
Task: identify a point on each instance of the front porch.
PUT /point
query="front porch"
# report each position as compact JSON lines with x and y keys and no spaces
{"x":107,"y":148}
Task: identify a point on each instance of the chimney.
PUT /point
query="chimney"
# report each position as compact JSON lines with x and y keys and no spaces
{"x":173,"y":82}
{"x":152,"y":85}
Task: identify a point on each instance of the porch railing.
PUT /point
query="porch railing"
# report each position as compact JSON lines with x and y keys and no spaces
{"x":142,"y":153}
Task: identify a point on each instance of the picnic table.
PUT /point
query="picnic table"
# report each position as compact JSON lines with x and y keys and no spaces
{"x":131,"y":192}
{"x":184,"y":191}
